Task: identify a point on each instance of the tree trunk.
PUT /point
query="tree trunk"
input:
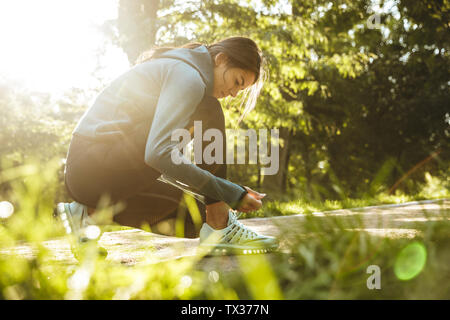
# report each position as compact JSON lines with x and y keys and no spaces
{"x":307,"y":163}
{"x":277,"y":182}
{"x":137,"y":26}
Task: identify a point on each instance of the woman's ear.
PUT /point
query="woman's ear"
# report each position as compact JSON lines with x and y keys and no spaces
{"x":220,"y":58}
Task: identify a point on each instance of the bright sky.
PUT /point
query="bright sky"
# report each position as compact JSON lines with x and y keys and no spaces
{"x":51,"y":45}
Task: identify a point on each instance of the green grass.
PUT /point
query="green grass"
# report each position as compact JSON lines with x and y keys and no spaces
{"x":433,"y":188}
{"x":327,"y":258}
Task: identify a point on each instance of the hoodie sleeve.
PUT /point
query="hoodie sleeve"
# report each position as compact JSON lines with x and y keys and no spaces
{"x":182,"y":89}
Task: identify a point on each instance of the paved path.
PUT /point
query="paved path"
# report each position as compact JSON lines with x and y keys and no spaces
{"x":134,"y":246}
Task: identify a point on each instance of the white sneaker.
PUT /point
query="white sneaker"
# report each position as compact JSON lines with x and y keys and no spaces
{"x":235,"y":239}
{"x":74,"y":217}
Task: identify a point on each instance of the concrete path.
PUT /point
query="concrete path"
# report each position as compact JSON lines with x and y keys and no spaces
{"x":134,"y":246}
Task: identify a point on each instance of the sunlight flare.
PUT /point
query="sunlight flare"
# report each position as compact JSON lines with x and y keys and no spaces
{"x":6,"y":209}
{"x":53,"y":45}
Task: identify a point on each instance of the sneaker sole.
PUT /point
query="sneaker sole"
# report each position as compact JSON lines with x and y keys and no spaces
{"x":224,"y":250}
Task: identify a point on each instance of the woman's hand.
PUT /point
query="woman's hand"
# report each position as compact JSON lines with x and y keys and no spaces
{"x":251,"y":201}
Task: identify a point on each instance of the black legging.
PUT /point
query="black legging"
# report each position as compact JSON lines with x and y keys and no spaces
{"x":116,"y":168}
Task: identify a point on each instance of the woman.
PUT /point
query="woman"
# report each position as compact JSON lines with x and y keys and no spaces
{"x":122,"y":144}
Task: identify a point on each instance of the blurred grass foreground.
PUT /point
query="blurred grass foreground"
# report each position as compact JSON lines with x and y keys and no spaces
{"x":325,"y":257}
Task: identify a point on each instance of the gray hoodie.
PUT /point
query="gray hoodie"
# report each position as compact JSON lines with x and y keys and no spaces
{"x":164,"y":92}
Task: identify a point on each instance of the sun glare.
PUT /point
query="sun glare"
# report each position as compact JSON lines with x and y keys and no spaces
{"x":51,"y":45}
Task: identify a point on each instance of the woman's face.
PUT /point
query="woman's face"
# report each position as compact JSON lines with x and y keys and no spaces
{"x":229,"y":81}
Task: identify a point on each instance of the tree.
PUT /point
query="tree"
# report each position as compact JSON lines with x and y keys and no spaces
{"x":357,"y":107}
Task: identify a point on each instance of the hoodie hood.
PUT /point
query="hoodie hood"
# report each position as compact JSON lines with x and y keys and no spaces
{"x":198,"y":58}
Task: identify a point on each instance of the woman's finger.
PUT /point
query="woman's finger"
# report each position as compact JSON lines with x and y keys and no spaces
{"x":255,"y":193}
{"x":244,"y":208}
{"x":250,"y":204}
{"x":255,"y":204}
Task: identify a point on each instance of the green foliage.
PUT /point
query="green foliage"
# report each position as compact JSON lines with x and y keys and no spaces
{"x":352,"y":97}
{"x":432,"y":188}
{"x":331,"y":259}
{"x":37,"y":126}
{"x":324,"y":257}
{"x":348,"y":99}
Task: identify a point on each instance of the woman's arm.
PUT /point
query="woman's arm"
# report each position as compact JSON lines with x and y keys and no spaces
{"x":182,"y":89}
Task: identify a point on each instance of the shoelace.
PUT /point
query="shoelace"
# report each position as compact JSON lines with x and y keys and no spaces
{"x":238,"y":231}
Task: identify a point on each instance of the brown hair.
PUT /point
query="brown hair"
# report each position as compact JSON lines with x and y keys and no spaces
{"x":241,"y":52}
